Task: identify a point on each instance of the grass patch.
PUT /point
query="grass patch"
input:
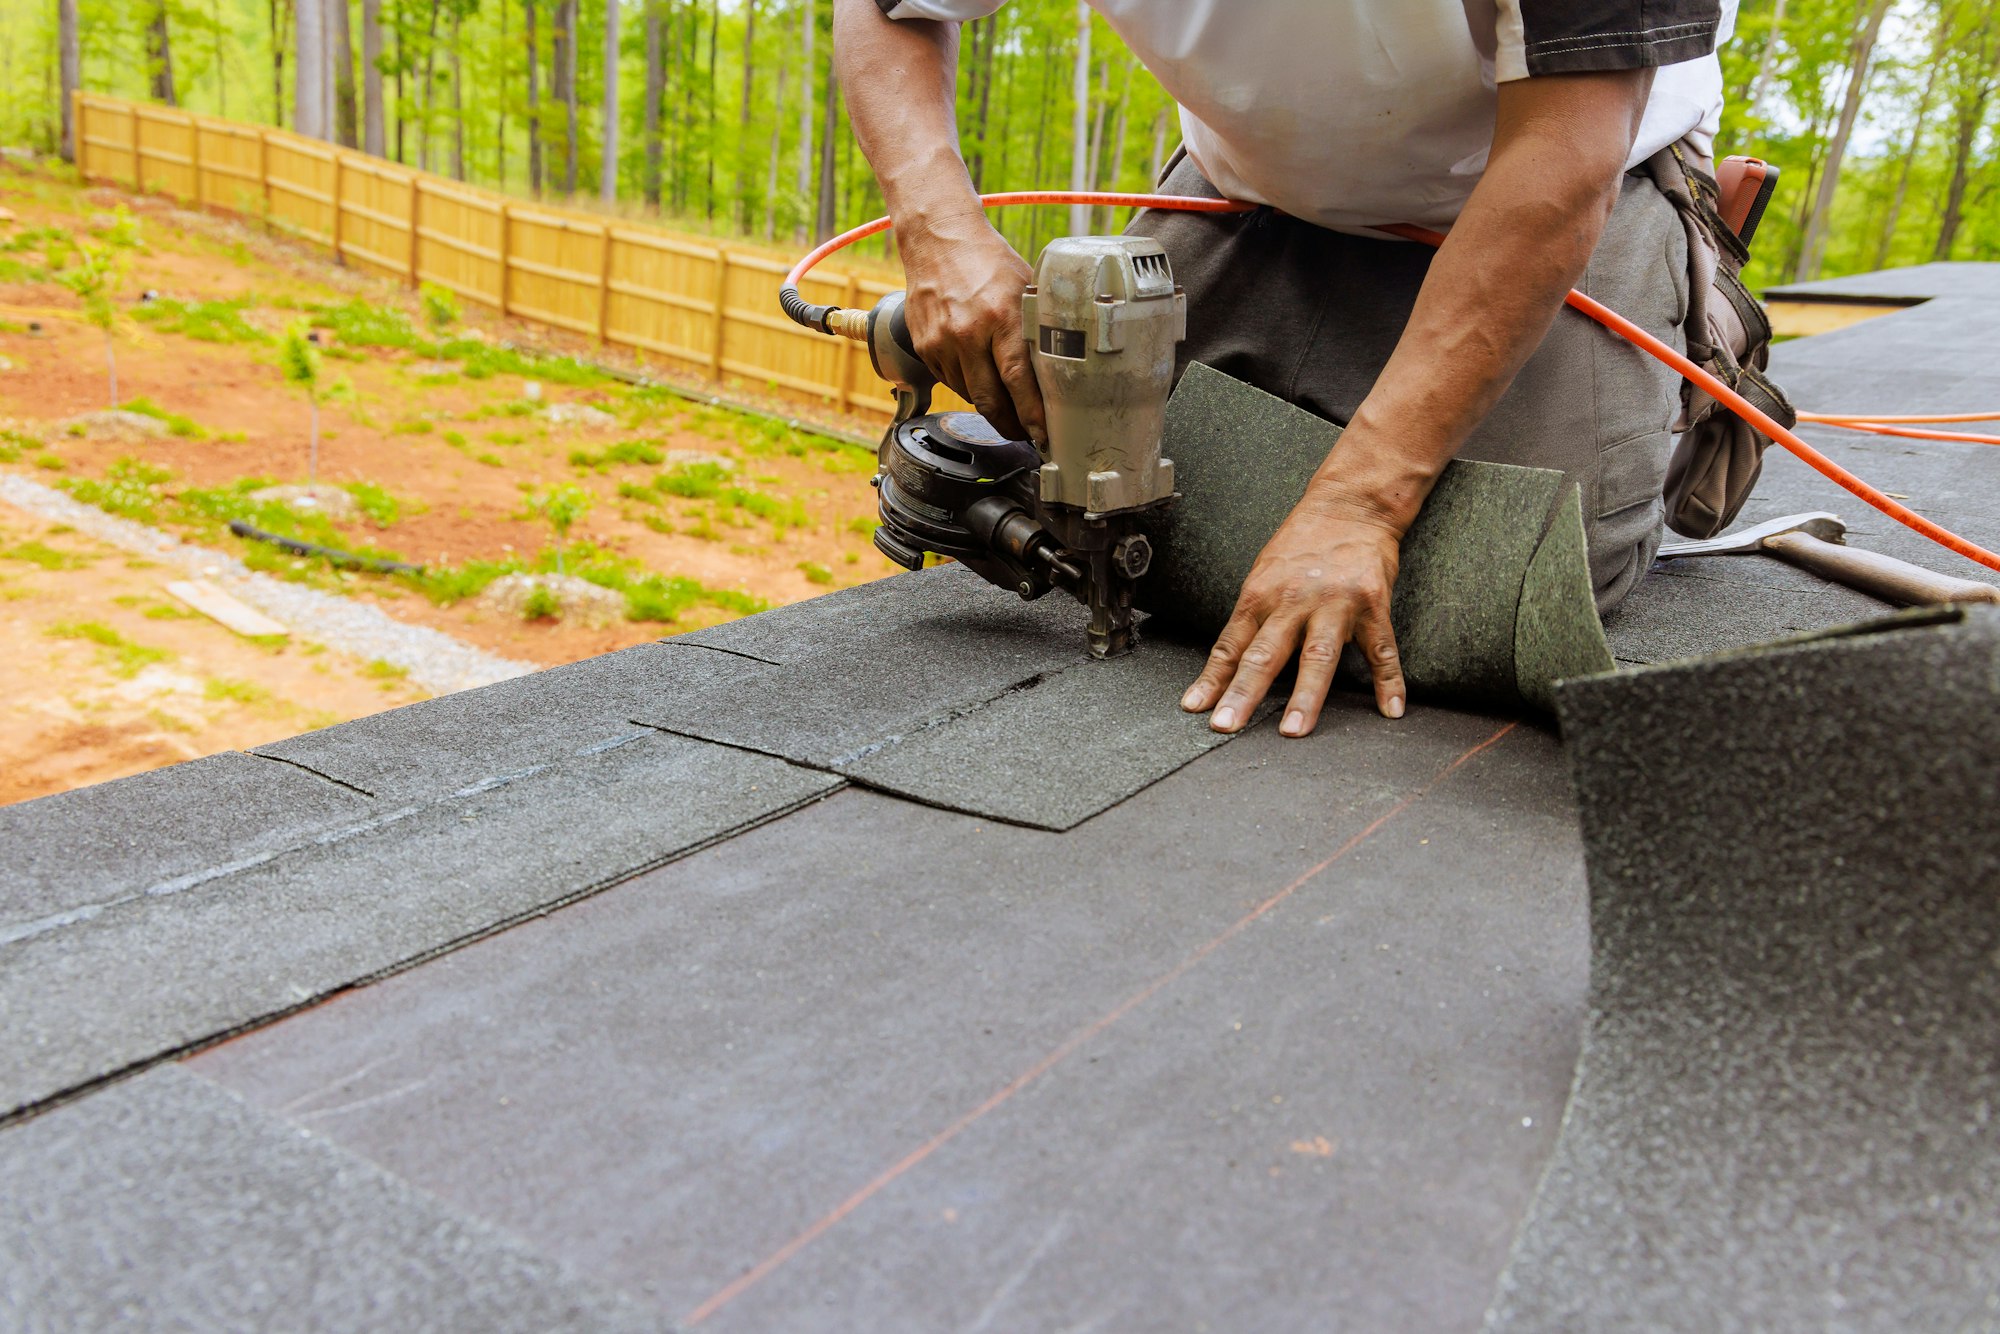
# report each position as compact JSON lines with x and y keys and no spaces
{"x":130,"y":489}
{"x":815,"y":572}
{"x":648,"y":596}
{"x":204,"y":321}
{"x":14,"y":443}
{"x":381,"y":670}
{"x":360,"y":323}
{"x":184,"y":428}
{"x":221,"y":689}
{"x":44,"y":556}
{"x":413,"y":426}
{"x":50,"y":463}
{"x":377,"y":504}
{"x":114,"y":650}
{"x":624,"y":452}
{"x":483,"y":361}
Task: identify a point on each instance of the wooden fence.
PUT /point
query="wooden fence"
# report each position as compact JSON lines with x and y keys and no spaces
{"x":702,"y":305}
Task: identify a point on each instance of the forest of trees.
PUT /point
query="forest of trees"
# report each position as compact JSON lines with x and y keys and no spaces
{"x":722,"y":115}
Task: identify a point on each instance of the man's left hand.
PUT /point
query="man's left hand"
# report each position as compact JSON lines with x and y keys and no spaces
{"x":1323,"y":579}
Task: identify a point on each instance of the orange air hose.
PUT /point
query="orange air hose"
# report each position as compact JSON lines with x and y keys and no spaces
{"x":1603,"y":314}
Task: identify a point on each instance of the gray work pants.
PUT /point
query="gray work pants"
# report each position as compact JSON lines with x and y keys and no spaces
{"x":1312,"y":315}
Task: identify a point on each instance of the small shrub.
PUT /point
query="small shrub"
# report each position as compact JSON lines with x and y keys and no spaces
{"x":185,"y":428}
{"x":542,"y":604}
{"x":440,"y":307}
{"x":377,"y":505}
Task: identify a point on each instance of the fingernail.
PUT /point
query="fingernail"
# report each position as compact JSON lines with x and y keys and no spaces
{"x":1224,"y":719}
{"x":1192,"y":700}
{"x":1295,"y":723}
{"x":1395,"y":709}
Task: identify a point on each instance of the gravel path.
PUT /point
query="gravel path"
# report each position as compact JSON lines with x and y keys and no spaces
{"x":435,"y":661}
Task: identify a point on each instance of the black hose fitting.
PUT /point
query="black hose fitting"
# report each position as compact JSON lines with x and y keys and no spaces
{"x":804,"y":311}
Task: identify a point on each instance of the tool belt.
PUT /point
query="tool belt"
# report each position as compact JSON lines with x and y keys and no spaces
{"x":1718,"y":455}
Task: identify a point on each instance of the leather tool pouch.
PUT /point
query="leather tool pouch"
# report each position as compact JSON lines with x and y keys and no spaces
{"x":1718,"y":455}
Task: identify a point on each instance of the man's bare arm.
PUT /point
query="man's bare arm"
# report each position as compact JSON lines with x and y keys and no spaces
{"x":1499,"y":280}
{"x":964,"y":280}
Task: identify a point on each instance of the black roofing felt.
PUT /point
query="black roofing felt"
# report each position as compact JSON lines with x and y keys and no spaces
{"x":1276,"y":1036}
{"x":153,"y":968}
{"x":1208,"y":1109}
{"x":166,"y":1203}
{"x":1783,"y":1111}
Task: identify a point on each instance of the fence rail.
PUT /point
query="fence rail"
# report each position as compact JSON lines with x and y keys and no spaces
{"x":701,"y":305}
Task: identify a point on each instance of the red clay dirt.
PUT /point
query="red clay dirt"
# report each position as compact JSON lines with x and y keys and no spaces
{"x":459,"y":454}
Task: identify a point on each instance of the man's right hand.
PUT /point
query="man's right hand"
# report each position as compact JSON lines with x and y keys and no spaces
{"x":964,"y":282}
{"x":964,"y":286}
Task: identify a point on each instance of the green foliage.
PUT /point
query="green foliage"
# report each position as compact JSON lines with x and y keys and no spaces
{"x":129,"y":489}
{"x":483,"y":360}
{"x":299,"y":359}
{"x":93,"y":278}
{"x":440,"y":307}
{"x":45,"y":556}
{"x":815,"y":572}
{"x":204,"y":321}
{"x":561,"y":506}
{"x":542,"y":604}
{"x":220,"y":689}
{"x":380,"y":670}
{"x":13,"y":442}
{"x":185,"y":428}
{"x":380,"y":507}
{"x":115,"y":651}
{"x":360,"y":323}
{"x":643,"y":452}
{"x":447,"y":584}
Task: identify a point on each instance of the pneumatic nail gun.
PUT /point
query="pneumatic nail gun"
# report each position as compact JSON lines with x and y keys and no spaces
{"x":1102,"y":320}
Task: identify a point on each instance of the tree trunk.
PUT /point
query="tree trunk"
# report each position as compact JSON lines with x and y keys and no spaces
{"x":1767,"y":61}
{"x":309,"y":92}
{"x":1109,"y":181}
{"x":429,"y":104}
{"x":346,"y":121}
{"x":771,"y":158}
{"x":1971,"y":116}
{"x":1079,"y":128}
{"x":221,"y":69}
{"x":1887,"y":237}
{"x":534,"y":104}
{"x":160,"y":56}
{"x":457,"y":100}
{"x":374,"y":138}
{"x":743,"y":118}
{"x":607,"y":171}
{"x":808,"y":85}
{"x":69,"y":58}
{"x":1159,"y":148}
{"x":1814,"y":248}
{"x":277,"y":62}
{"x":983,"y":118}
{"x":500,"y":106}
{"x":402,"y":114}
{"x":714,"y":31}
{"x":655,"y":86}
{"x":565,"y":75}
{"x":824,"y":211}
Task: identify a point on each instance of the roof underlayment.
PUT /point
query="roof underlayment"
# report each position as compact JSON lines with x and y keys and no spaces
{"x":878,"y":963}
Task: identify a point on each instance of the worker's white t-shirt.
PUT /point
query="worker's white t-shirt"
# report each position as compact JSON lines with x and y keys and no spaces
{"x":1353,"y":112}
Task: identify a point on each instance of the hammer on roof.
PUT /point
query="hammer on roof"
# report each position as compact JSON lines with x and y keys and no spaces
{"x":1815,"y":542}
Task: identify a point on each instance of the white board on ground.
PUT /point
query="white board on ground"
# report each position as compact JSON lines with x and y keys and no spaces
{"x":218,"y":606}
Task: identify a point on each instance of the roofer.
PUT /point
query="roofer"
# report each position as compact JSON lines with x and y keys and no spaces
{"x":1525,"y":127}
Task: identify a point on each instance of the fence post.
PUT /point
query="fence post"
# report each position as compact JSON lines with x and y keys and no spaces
{"x":338,"y":258}
{"x":721,"y":300}
{"x":847,"y":345}
{"x":416,"y":225}
{"x":264,"y":169}
{"x":506,"y":256}
{"x":79,"y":148}
{"x":194,"y":157}
{"x":138,"y":154}
{"x":604,"y":290}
